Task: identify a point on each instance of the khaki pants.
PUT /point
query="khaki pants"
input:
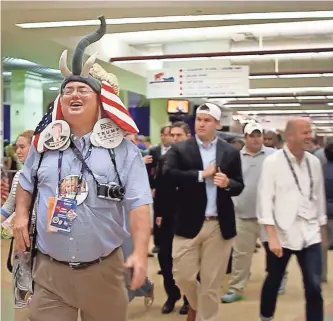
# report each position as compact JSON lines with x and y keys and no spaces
{"x":248,"y":232}
{"x":208,"y":254}
{"x":97,"y":291}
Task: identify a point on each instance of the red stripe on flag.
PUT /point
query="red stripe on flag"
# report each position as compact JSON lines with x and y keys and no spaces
{"x":122,"y":124}
{"x":36,"y":139}
{"x":114,"y":104}
{"x":108,"y":87}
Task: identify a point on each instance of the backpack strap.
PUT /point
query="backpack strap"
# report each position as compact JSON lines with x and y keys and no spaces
{"x":31,"y":227}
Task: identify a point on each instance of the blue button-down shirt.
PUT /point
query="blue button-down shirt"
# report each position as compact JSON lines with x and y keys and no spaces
{"x":99,"y":226}
{"x":208,"y":156}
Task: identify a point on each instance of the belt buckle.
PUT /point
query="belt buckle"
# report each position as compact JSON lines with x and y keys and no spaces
{"x":74,"y":266}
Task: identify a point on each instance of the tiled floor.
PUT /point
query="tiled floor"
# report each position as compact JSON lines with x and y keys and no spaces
{"x":290,"y":305}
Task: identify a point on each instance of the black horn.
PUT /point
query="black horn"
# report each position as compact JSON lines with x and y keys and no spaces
{"x":84,"y":43}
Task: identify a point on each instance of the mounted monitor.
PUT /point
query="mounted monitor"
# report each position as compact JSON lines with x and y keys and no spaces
{"x":178,"y":106}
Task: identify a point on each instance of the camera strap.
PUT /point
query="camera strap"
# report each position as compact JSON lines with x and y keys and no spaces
{"x":78,"y":154}
{"x":86,"y":167}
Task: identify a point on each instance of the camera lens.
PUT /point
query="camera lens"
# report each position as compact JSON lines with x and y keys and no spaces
{"x":116,"y":191}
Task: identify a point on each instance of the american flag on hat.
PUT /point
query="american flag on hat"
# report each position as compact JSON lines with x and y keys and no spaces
{"x":98,"y":79}
{"x":111,"y":107}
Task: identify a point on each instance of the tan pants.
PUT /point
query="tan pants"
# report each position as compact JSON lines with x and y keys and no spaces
{"x":98,"y":291}
{"x":208,"y":254}
{"x":248,"y":232}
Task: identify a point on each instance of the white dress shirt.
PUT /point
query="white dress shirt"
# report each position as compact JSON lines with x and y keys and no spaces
{"x":164,"y":149}
{"x":280,"y":202}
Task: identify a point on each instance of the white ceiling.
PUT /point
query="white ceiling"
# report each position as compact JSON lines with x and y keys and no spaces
{"x":44,"y":45}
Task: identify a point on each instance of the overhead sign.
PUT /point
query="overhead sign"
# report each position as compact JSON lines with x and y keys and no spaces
{"x":198,"y":82}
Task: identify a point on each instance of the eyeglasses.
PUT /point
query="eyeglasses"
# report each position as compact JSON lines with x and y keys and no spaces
{"x":79,"y":91}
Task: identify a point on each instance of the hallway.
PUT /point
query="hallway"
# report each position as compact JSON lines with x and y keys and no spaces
{"x":290,"y":305}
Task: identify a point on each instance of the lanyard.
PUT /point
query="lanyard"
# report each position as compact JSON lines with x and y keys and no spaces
{"x":296,"y":178}
{"x":82,"y":167}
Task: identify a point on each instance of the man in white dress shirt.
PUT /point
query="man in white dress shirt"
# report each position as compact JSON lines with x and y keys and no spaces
{"x":291,"y":207}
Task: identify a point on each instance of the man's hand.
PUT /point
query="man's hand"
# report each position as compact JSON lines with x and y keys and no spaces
{"x":148,"y":159}
{"x":209,"y":171}
{"x":21,"y":234}
{"x":221,"y":180}
{"x":139,"y":265}
{"x":158,"y":221}
{"x":275,"y":246}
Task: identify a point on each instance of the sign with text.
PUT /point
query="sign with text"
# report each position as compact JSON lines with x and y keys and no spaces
{"x":198,"y":82}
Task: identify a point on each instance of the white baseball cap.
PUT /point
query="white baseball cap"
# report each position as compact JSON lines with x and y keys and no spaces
{"x":251,"y":127}
{"x":210,"y":109}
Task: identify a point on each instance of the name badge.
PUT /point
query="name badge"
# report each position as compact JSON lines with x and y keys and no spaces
{"x":63,"y":215}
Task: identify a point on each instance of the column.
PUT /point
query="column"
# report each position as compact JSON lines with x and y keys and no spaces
{"x":26,"y":107}
{"x":158,"y":118}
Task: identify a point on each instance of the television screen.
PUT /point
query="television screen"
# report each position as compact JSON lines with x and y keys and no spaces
{"x":178,"y":106}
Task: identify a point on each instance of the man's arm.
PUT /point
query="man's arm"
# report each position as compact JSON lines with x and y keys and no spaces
{"x":136,"y":202}
{"x":171,"y":169}
{"x":321,"y":202}
{"x":265,"y":197}
{"x":236,"y":183}
{"x":23,"y":200}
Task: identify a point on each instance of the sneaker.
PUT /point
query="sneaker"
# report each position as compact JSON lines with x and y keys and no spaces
{"x":282,"y":288}
{"x":230,"y":297}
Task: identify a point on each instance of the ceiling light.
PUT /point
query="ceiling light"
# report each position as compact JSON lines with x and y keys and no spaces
{"x":301,"y":76}
{"x":323,"y":121}
{"x":288,"y":105}
{"x":263,"y":77}
{"x":53,"y":88}
{"x":259,"y":91}
{"x":280,"y":98}
{"x":194,"y":18}
{"x":249,"y":98}
{"x":311,"y":97}
{"x":236,"y":105}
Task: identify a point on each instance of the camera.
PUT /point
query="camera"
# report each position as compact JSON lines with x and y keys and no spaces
{"x":111,"y":191}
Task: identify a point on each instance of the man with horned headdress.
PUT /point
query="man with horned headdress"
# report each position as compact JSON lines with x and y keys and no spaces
{"x":79,"y":266}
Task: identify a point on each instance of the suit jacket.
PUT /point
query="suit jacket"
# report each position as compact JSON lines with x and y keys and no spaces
{"x":182,"y":166}
{"x":165,"y":191}
{"x":156,"y":152}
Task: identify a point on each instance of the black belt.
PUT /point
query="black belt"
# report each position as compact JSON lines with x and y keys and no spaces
{"x":78,"y":265}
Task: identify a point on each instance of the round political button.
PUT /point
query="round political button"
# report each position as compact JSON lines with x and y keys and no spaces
{"x":107,"y":134}
{"x":66,"y":146}
{"x":68,"y":188}
{"x":93,"y":140}
{"x":56,"y":135}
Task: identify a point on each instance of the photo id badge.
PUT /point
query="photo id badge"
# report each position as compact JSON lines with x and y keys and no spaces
{"x":68,"y":189}
{"x":63,"y":214}
{"x":56,"y":135}
{"x":107,"y":134}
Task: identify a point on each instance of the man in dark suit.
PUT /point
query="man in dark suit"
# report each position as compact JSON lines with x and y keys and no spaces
{"x":156,"y":152}
{"x":165,"y":197}
{"x":207,"y":172}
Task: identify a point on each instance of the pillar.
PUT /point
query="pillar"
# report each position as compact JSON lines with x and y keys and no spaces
{"x":158,"y":118}
{"x":26,"y":107}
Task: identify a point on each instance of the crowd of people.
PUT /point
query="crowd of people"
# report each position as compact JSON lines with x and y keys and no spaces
{"x":211,"y":201}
